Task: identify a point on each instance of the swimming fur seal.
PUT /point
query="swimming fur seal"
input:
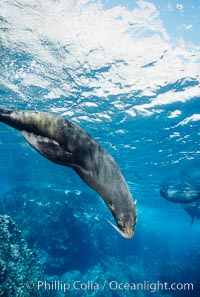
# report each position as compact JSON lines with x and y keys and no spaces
{"x":65,"y":143}
{"x":180,"y":193}
{"x":193,"y":210}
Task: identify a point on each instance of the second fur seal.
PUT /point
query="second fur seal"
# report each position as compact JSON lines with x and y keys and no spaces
{"x":65,"y":143}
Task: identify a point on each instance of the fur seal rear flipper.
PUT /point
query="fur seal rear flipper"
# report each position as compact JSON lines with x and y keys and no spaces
{"x":65,"y":143}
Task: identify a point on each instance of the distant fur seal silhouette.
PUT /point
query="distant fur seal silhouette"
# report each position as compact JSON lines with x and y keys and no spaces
{"x":193,"y":210}
{"x":65,"y":143}
{"x":180,"y":193}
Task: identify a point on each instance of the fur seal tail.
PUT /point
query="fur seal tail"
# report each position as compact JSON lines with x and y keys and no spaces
{"x":5,"y":116}
{"x":3,"y":113}
{"x":13,"y":119}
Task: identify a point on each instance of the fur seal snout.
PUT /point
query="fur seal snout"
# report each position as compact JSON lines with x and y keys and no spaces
{"x":65,"y":143}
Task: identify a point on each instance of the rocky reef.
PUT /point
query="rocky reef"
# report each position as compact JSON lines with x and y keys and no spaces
{"x":64,"y":228}
{"x":19,"y":267}
{"x":80,"y":254}
{"x":126,"y":278}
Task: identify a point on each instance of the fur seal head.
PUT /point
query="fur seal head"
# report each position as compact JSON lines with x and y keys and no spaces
{"x":126,"y":219}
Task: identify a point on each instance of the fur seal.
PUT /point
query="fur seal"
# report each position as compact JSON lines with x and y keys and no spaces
{"x":180,"y":193}
{"x":65,"y":143}
{"x":193,"y":210}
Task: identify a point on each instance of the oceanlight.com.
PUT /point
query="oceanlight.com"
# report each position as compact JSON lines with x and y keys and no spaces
{"x":113,"y":285}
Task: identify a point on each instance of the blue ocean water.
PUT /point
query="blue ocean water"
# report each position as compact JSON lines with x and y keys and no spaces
{"x":141,"y":102}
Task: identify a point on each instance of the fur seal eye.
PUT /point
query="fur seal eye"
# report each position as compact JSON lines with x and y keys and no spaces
{"x":121,"y":223}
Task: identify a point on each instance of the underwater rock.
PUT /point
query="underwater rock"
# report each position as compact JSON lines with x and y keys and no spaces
{"x":116,"y":278}
{"x":193,"y":210}
{"x":71,"y":275}
{"x":180,"y":192}
{"x":60,"y":226}
{"x":19,"y":267}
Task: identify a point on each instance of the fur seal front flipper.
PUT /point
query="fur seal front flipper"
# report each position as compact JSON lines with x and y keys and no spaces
{"x":49,"y":148}
{"x":66,"y":143}
{"x":53,"y":151}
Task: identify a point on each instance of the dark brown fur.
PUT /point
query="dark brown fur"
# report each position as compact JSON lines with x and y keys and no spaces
{"x":65,"y":143}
